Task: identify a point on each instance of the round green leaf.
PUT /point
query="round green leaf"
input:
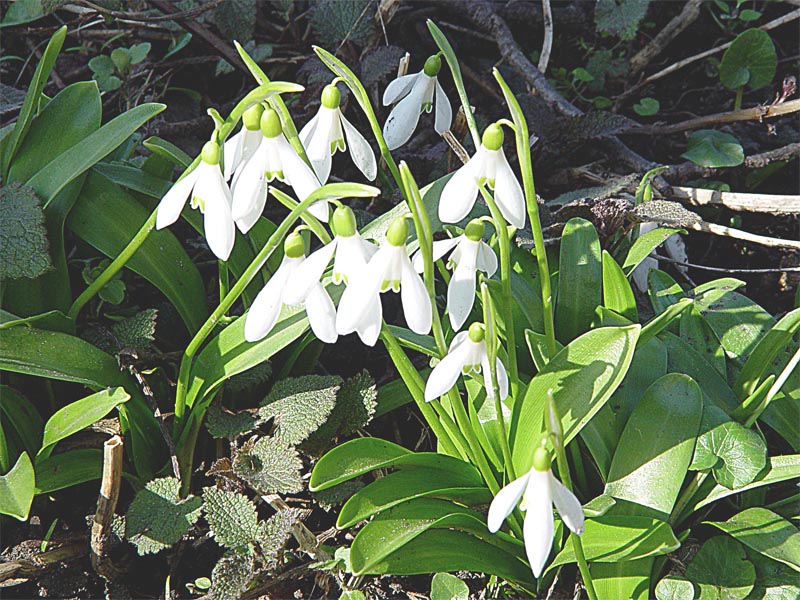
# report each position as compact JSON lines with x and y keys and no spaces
{"x":675,"y":588}
{"x":722,"y":571}
{"x":751,"y":60}
{"x":647,"y":107}
{"x":448,"y":587}
{"x":709,"y":148}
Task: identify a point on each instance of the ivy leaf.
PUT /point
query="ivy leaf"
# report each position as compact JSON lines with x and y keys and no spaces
{"x":231,"y":575}
{"x":721,"y":570}
{"x":231,"y":516}
{"x":709,"y":148}
{"x":647,"y":107}
{"x":620,"y":18}
{"x":158,"y":517}
{"x":774,"y":581}
{"x":299,"y":406}
{"x":674,"y":587}
{"x":24,"y":249}
{"x":445,"y":586}
{"x":750,"y":60}
{"x":223,"y":424}
{"x":269,"y":466}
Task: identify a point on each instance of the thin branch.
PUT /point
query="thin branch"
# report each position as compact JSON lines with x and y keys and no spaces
{"x":547,"y":44}
{"x":762,"y":203}
{"x":758,"y":161}
{"x":689,"y":14}
{"x":722,"y":270}
{"x":738,"y":234}
{"x":192,"y":13}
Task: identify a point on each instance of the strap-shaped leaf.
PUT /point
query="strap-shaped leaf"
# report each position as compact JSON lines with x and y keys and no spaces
{"x":352,"y":459}
{"x":69,"y":468}
{"x":580,"y":279}
{"x":617,"y":292}
{"x":644,"y":245}
{"x":17,"y":488}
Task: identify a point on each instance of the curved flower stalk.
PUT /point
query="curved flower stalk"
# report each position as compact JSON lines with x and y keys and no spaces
{"x":350,"y":253}
{"x":413,"y":95}
{"x":273,"y":159}
{"x":390,"y":268}
{"x":326,"y":133}
{"x":467,"y":354}
{"x":266,"y":307}
{"x":209,"y":192}
{"x":539,"y":491}
{"x":240,"y":147}
{"x":488,"y":165}
{"x":470,"y":254}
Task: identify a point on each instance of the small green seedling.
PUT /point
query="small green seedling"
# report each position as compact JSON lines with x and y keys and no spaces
{"x":109,"y":71}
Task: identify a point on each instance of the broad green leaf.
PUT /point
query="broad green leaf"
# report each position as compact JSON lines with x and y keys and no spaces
{"x":448,"y":587}
{"x":395,"y":394}
{"x":774,"y":581}
{"x":655,"y":447}
{"x":537,"y":346}
{"x":168,"y":150}
{"x":750,"y":60}
{"x":663,"y":320}
{"x":662,"y":290}
{"x":352,"y":459}
{"x":31,"y":104}
{"x":710,"y":148}
{"x":721,"y":570}
{"x":79,"y":415}
{"x":618,"y":538}
{"x":24,"y":249}
{"x":645,"y":244}
{"x":107,"y":218}
{"x":697,"y":333}
{"x":765,"y":532}
{"x":20,"y":418}
{"x":649,"y":364}
{"x":582,"y":376}
{"x":617,"y":292}
{"x":65,"y":469}
{"x":580,"y":279}
{"x":629,"y":579}
{"x":17,"y":488}
{"x":675,"y":587}
{"x":65,"y":167}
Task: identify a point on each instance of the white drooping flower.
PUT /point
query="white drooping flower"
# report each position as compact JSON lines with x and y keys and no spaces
{"x":673,"y":246}
{"x":390,"y":268}
{"x":467,"y":354}
{"x":209,"y":192}
{"x":539,"y":491}
{"x":273,"y":159}
{"x":263,"y":313}
{"x":471,"y":254}
{"x":415,"y":94}
{"x":488,"y":165}
{"x":352,"y":253}
{"x":240,"y":147}
{"x":326,"y":133}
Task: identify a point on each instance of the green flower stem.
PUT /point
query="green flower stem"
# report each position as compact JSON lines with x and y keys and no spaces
{"x":310,"y":220}
{"x":114,"y":267}
{"x":737,"y":102}
{"x":224,"y":281}
{"x":774,"y":389}
{"x":526,"y":168}
{"x":686,"y":497}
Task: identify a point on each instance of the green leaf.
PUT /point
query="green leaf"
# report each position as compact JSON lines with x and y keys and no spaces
{"x":663,"y":320}
{"x":722,"y":571}
{"x":64,"y":168}
{"x":774,"y":581}
{"x":102,"y":66}
{"x":231,"y":575}
{"x":582,"y":377}
{"x":221,"y":424}
{"x":236,"y":19}
{"x":333,"y":22}
{"x":69,"y":468}
{"x":448,"y":587}
{"x":79,"y":415}
{"x":647,"y":107}
{"x":32,"y":98}
{"x":168,"y":150}
{"x":765,"y":532}
{"x":580,"y":279}
{"x":158,"y":517}
{"x":17,"y":488}
{"x":662,"y":290}
{"x":138,"y":52}
{"x":106,"y":217}
{"x":352,"y":459}
{"x":232,"y":517}
{"x":24,"y":249}
{"x":750,"y":60}
{"x":299,"y":406}
{"x":620,"y":18}
{"x":656,"y":446}
{"x":644,"y":245}
{"x":617,"y":292}
{"x":710,"y":148}
{"x":629,"y":579}
{"x":269,"y":466}
{"x":25,"y":423}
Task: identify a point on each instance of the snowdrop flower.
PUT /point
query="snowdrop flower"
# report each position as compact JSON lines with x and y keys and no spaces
{"x":389,"y":269}
{"x":352,"y":253}
{"x":467,"y":354}
{"x":414,"y":94}
{"x":209,"y":192}
{"x":273,"y":159}
{"x":240,"y":147}
{"x":488,"y":165}
{"x":471,"y":253}
{"x":539,"y":490}
{"x":266,"y":307}
{"x":673,"y":246}
{"x":323,"y":136}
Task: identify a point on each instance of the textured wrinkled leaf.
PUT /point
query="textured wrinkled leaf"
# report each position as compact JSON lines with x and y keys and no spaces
{"x":750,"y":60}
{"x":17,"y":488}
{"x":334,"y":497}
{"x":232,"y":517}
{"x":721,"y":570}
{"x":270,"y":466}
{"x":448,"y":587}
{"x":379,"y":63}
{"x":158,"y":517}
{"x":299,"y":406}
{"x":710,"y":148}
{"x":620,"y":18}
{"x":223,"y":424}
{"x":236,"y":19}
{"x":276,"y":532}
{"x":334,"y":22}
{"x":231,"y":575}
{"x":24,"y":249}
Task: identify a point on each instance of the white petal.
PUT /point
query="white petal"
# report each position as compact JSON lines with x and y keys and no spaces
{"x":404,"y":117}
{"x":508,"y":193}
{"x":502,"y":379}
{"x":368,"y":248}
{"x":352,"y":255}
{"x":250,"y":189}
{"x":398,"y":88}
{"x":298,"y":173}
{"x":459,"y":193}
{"x":360,"y":292}
{"x":445,"y":374}
{"x":308,"y":130}
{"x":232,"y":153}
{"x":308,"y":274}
{"x":538,"y":527}
{"x":416,"y":302}
{"x":263,"y":313}
{"x":444,"y":114}
{"x":504,"y":502}
{"x":318,"y":148}
{"x":251,"y":140}
{"x":369,"y":327}
{"x":487,"y":259}
{"x":218,"y":224}
{"x":461,"y":294}
{"x":567,"y":505}
{"x":321,"y":314}
{"x":458,"y":339}
{"x":320,"y":210}
{"x":440,"y":248}
{"x":171,"y":205}
{"x":360,"y":150}
{"x":639,"y":275}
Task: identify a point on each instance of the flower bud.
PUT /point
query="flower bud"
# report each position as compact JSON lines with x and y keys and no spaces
{"x":210,"y":153}
{"x":270,"y":124}
{"x":398,"y":232}
{"x":252,"y":117}
{"x":542,"y":459}
{"x":433,"y":65}
{"x":331,"y":96}
{"x":344,"y":222}
{"x":294,"y":246}
{"x":477,"y":332}
{"x":474,"y":230}
{"x":493,"y":137}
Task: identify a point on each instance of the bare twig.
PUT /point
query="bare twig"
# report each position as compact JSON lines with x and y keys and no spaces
{"x":758,"y":161}
{"x":547,"y":43}
{"x":192,"y":13}
{"x":106,"y":504}
{"x":722,"y":270}
{"x":744,"y":235}
{"x":21,"y":570}
{"x":689,"y":14}
{"x":764,"y":203}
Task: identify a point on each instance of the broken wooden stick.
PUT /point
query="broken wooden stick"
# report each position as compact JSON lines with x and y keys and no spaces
{"x":763,"y":203}
{"x":106,"y":505}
